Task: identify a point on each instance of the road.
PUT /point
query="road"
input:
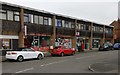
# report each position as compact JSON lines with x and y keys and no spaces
{"x":77,"y":63}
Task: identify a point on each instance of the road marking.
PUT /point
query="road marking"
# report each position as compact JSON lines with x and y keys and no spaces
{"x":42,"y":65}
{"x":54,"y":63}
{"x":91,"y":69}
{"x":85,"y":57}
{"x":25,"y":70}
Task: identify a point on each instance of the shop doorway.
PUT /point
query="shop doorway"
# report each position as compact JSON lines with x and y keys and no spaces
{"x":35,"y":41}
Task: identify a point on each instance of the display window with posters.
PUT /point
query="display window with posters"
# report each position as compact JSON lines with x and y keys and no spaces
{"x":67,"y":43}
{"x":41,"y":43}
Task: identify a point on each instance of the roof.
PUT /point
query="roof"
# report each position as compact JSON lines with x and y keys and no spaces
{"x":43,"y":11}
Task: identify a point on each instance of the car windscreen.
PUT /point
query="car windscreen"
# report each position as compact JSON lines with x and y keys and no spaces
{"x":116,"y":44}
{"x":57,"y":47}
{"x":19,"y":49}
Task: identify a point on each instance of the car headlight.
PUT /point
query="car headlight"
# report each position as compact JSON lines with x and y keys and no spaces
{"x":105,"y":46}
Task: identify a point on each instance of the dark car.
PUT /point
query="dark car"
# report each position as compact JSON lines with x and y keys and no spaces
{"x":106,"y":46}
{"x":116,"y":46}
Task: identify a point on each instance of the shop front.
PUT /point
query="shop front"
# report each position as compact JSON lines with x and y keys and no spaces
{"x":83,"y":41}
{"x":8,"y":42}
{"x":38,"y":42}
{"x":64,"y":41}
{"x":96,"y":43}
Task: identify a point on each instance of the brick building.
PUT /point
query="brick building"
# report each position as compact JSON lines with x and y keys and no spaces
{"x":24,"y":26}
{"x":116,"y":29}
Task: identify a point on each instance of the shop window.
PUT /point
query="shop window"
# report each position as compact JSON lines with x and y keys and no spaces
{"x":17,"y":16}
{"x":96,"y":43}
{"x":36,"y":19}
{"x":9,"y":15}
{"x":3,"y":14}
{"x":40,"y":19}
{"x":44,"y":41}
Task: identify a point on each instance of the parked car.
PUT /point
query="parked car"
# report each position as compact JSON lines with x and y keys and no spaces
{"x":116,"y":46}
{"x":24,"y":53}
{"x":60,"y":50}
{"x":106,"y":46}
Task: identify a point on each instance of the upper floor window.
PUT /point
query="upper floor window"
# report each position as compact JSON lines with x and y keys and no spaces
{"x":40,"y":19}
{"x":66,"y":24}
{"x":3,"y":14}
{"x":93,"y":28}
{"x":70,"y":25}
{"x":87,"y":27}
{"x":63,"y":23}
{"x":101,"y":29}
{"x":17,"y":16}
{"x":50,"y":21}
{"x":45,"y":20}
{"x":36,"y":19}
{"x":73,"y":25}
{"x":31,"y":18}
{"x":82,"y":26}
{"x":10,"y":15}
{"x":59,"y":23}
{"x":26,"y":17}
{"x":77,"y":26}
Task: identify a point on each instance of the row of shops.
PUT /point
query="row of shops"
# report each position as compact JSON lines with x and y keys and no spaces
{"x":43,"y":42}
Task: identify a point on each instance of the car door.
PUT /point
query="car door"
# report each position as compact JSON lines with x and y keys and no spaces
{"x":69,"y":50}
{"x":65,"y":50}
{"x":31,"y":53}
{"x":25,"y":53}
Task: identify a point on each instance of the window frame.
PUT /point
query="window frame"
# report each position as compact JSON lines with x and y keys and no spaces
{"x":16,"y":15}
{"x":2,"y":11}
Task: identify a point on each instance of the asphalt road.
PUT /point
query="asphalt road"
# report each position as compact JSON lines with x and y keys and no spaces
{"x":78,"y":63}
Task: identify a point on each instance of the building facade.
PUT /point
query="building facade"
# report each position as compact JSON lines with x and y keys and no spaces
{"x":116,"y":30}
{"x":27,"y":27}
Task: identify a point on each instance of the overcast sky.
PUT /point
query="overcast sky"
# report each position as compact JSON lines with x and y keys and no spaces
{"x":99,"y":11}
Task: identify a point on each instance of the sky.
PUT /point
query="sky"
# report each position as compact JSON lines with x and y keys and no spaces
{"x":98,"y":11}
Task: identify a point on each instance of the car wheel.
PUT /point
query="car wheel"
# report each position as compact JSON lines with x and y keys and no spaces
{"x":52,"y":55}
{"x":40,"y":56}
{"x":73,"y":53}
{"x":20,"y":58}
{"x":62,"y":54}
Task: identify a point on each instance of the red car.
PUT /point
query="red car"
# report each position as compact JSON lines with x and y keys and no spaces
{"x":60,"y":50}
